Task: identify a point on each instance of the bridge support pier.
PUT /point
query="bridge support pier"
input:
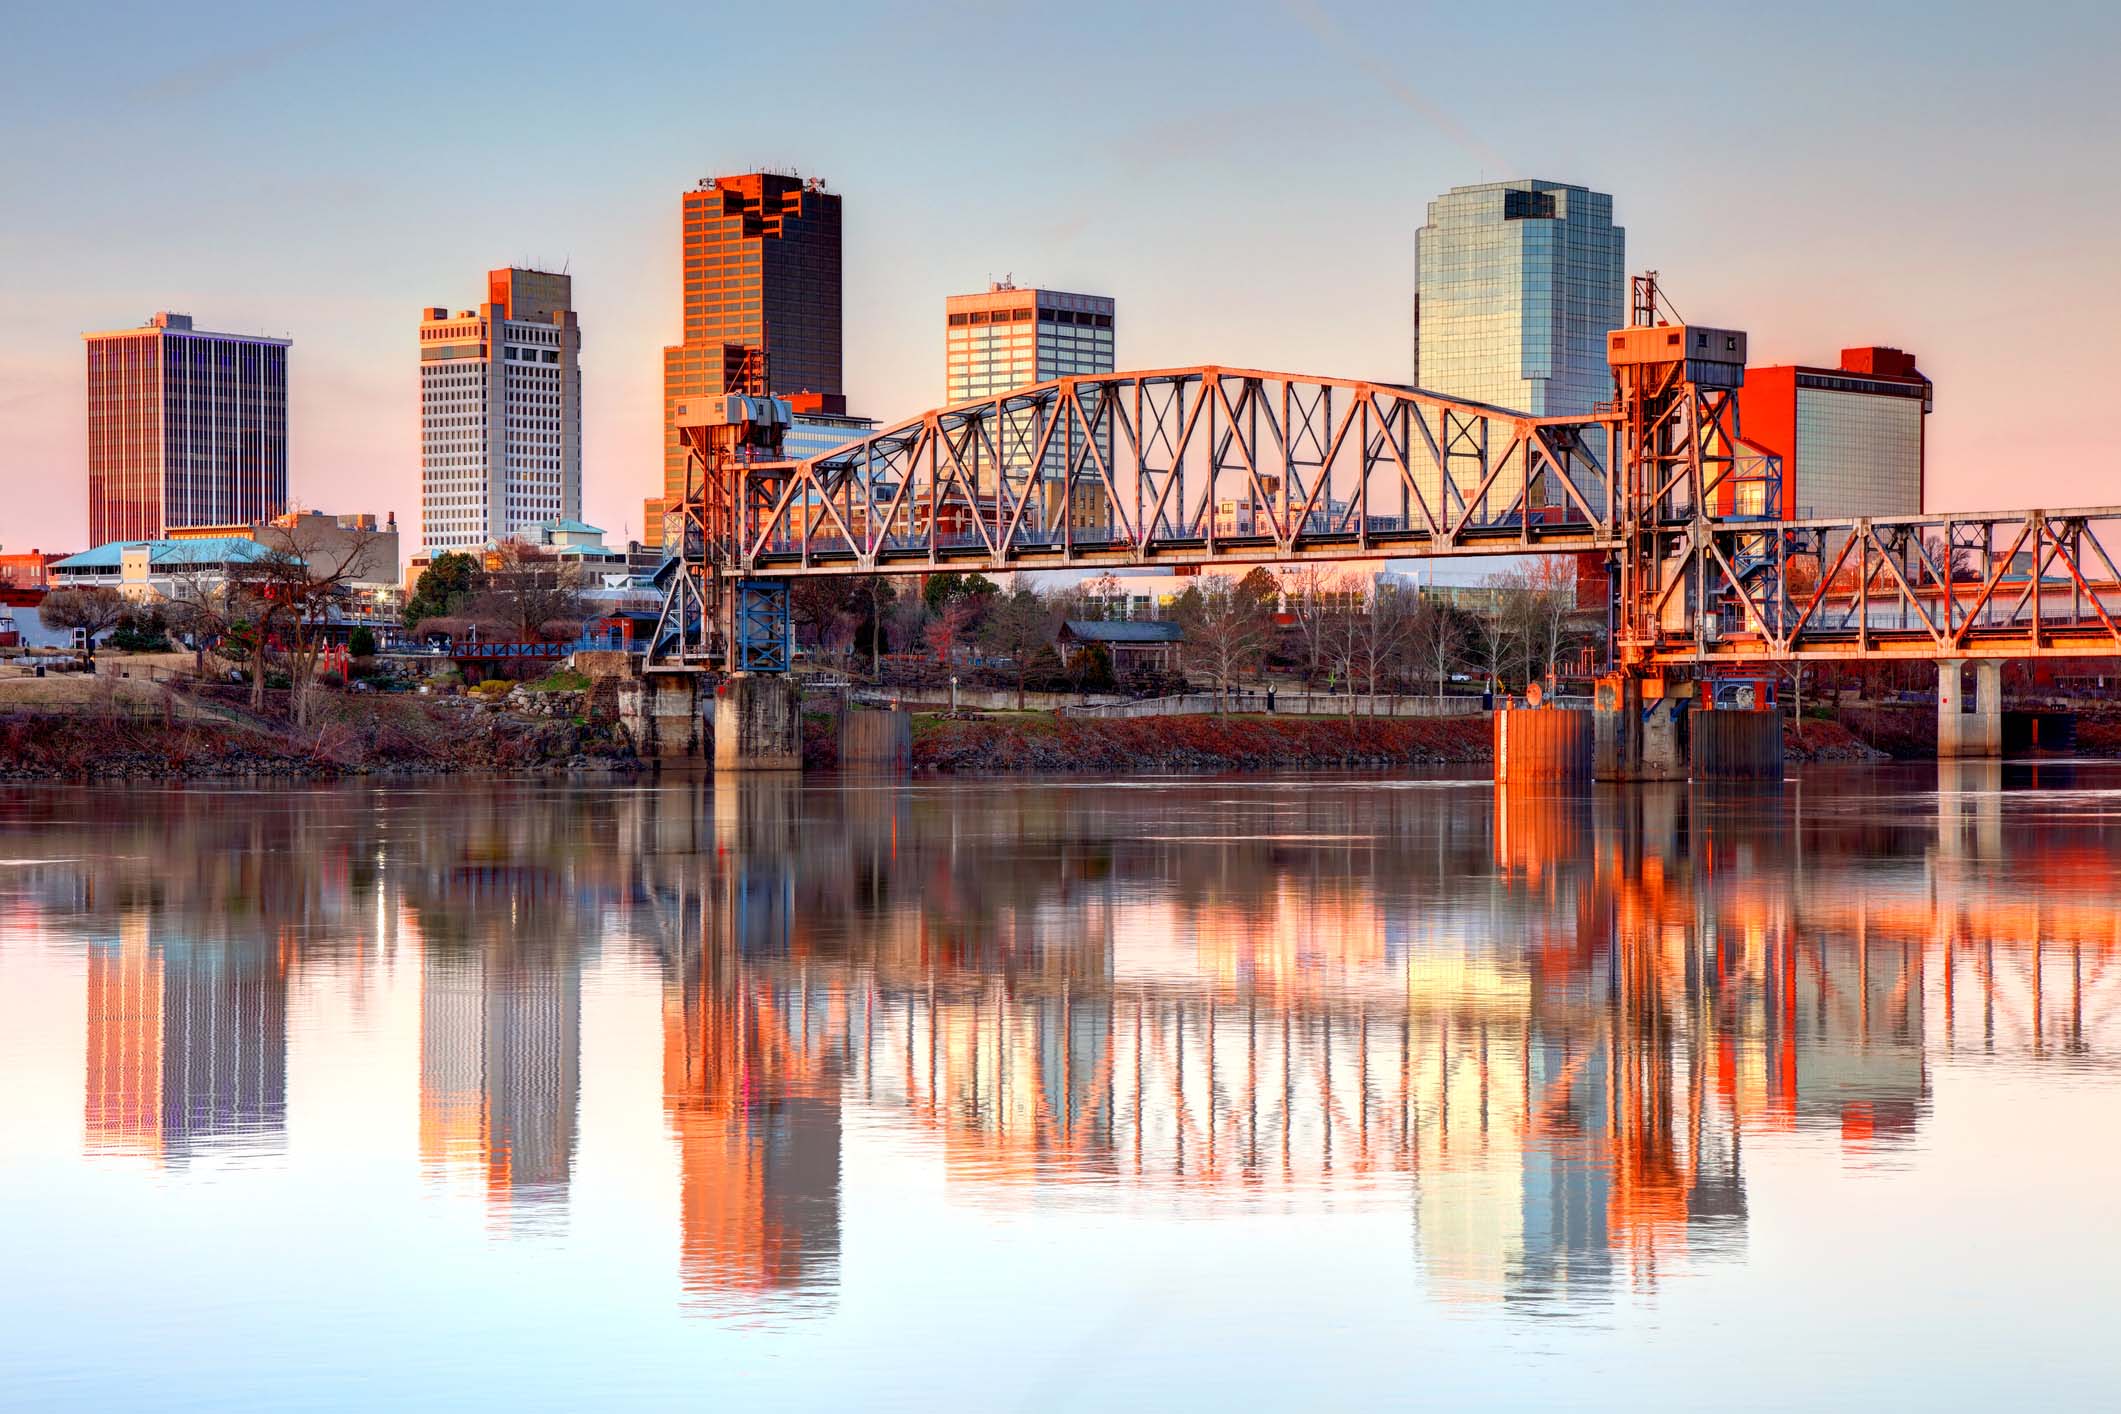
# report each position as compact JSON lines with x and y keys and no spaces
{"x":1542,"y":744}
{"x":1640,"y":737}
{"x":1736,"y":745}
{"x":1969,"y":724}
{"x":758,"y":724}
{"x":661,"y":711}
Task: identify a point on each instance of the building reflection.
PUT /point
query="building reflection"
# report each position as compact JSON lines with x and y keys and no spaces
{"x":1547,"y":1029}
{"x":187,"y":1045}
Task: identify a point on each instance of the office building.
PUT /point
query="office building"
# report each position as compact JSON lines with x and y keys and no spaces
{"x":762,"y":305}
{"x":185,"y":427}
{"x":500,"y":412}
{"x":812,"y":431}
{"x":1518,"y":284}
{"x":1007,"y":338}
{"x":1851,"y":438}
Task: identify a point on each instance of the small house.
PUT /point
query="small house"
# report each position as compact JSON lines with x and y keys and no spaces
{"x":1134,"y":645}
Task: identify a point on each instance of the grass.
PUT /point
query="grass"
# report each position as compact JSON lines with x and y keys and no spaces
{"x":559,"y":680}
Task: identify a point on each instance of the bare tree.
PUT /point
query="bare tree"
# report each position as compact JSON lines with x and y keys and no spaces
{"x":951,"y":625}
{"x":292,"y":589}
{"x":529,"y":593}
{"x":1437,"y":639}
{"x":201,"y":605}
{"x":1386,"y":629}
{"x":1542,"y":595}
{"x":1227,"y":629}
{"x":1497,"y":641}
{"x":1310,"y":599}
{"x":1020,"y":625}
{"x":92,"y":608}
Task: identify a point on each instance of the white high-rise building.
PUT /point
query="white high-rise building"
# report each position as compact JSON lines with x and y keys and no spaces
{"x":500,"y":413}
{"x":1008,"y":338}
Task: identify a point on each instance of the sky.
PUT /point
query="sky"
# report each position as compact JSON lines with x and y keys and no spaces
{"x":1245,"y":178}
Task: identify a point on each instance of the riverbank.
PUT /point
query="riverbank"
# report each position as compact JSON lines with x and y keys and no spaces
{"x":1010,"y":745}
{"x":1175,"y":745}
{"x":399,"y":736}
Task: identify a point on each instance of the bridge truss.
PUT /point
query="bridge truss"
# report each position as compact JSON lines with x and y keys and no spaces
{"x":1211,"y":467}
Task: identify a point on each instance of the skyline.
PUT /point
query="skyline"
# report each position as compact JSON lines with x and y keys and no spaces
{"x":1978,"y":252}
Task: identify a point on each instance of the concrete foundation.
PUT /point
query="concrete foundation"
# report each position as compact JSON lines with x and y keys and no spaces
{"x":1638,"y":738}
{"x":1542,"y":744}
{"x":1735,"y":745}
{"x":1969,"y":723}
{"x":876,"y":741}
{"x":758,"y":724}
{"x":662,"y":714}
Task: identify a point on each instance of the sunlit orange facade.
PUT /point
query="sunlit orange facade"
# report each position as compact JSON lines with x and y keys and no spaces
{"x":761,"y":268}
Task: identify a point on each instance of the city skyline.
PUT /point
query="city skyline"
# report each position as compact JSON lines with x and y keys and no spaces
{"x":1898,"y":254}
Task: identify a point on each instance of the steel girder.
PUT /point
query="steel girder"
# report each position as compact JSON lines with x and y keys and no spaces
{"x":1996,"y":584}
{"x":1187,"y":466}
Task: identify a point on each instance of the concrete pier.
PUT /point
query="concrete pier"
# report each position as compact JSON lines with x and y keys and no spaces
{"x":758,"y":724}
{"x":1639,"y":738}
{"x":1969,"y":723}
{"x":1542,"y":744}
{"x":662,"y":714}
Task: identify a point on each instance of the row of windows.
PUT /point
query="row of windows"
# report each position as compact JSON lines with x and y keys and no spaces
{"x":965,"y":317}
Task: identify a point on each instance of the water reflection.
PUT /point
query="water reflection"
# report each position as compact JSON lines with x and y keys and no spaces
{"x":1549,"y":1029}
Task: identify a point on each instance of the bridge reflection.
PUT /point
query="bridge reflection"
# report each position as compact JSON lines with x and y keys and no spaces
{"x":1550,"y":1029}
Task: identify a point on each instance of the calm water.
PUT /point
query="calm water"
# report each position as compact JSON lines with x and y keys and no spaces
{"x":1301,"y":1092}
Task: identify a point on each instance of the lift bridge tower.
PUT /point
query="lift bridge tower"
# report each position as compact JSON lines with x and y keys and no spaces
{"x":717,"y":625}
{"x":713,"y":620}
{"x":1681,"y":472}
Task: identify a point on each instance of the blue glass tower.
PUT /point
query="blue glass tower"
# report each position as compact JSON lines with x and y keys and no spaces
{"x":1519,"y":283}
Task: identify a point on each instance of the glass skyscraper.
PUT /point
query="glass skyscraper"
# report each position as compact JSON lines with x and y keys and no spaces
{"x":1518,"y":283}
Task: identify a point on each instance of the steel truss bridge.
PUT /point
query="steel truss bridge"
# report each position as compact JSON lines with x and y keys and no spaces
{"x":1221,"y":468}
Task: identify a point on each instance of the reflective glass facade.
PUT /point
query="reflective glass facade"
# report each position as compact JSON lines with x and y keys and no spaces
{"x":1858,"y":454}
{"x":185,"y":428}
{"x":1518,"y":284}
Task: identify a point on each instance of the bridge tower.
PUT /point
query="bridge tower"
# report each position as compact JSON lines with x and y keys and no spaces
{"x":715,"y":621}
{"x":1680,"y":466}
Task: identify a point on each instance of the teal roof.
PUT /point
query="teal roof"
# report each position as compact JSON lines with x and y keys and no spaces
{"x":212,"y":550}
{"x":572,"y":527}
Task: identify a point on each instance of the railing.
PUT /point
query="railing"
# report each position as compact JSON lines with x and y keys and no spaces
{"x":1288,"y":704}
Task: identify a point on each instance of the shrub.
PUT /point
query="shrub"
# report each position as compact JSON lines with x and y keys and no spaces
{"x":362,"y":642}
{"x":494,"y":688}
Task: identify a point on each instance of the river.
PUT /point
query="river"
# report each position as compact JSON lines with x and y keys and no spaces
{"x":1320,"y":1092}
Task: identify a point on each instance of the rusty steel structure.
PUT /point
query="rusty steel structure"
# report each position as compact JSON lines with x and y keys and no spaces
{"x":1208,"y":467}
